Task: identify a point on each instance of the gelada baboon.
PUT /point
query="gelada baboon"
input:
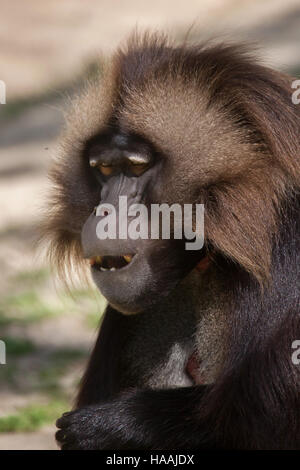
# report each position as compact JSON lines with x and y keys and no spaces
{"x":195,"y":348}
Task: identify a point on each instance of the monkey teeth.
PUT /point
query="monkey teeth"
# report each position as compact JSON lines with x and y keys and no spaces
{"x":110,"y":263}
{"x":106,"y":269}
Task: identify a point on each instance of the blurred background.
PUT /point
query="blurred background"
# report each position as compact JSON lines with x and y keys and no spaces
{"x":46,"y":49}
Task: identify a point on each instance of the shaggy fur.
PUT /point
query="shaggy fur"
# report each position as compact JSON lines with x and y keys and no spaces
{"x":229,"y":137}
{"x":226,"y":124}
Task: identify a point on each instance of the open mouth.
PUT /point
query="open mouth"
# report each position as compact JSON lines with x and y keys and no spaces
{"x":110,"y":263}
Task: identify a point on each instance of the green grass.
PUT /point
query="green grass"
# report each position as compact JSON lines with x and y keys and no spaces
{"x":35,"y":368}
{"x":18,"y":346}
{"x":46,"y":375}
{"x":49,"y":377}
{"x":32,"y":277}
{"x":93,"y":319}
{"x":33,"y":417}
{"x":25,"y":304}
{"x":295,"y":72}
{"x":8,"y":375}
{"x":89,"y":301}
{"x":25,"y":307}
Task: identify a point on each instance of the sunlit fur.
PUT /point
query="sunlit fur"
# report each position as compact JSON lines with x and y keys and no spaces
{"x":226,"y":125}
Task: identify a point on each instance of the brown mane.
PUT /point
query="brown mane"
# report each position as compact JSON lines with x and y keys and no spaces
{"x":232,"y":117}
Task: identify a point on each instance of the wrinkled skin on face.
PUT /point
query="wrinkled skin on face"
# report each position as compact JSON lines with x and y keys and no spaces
{"x":129,"y":272}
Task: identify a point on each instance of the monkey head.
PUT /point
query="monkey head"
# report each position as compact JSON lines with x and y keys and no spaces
{"x":174,"y":125}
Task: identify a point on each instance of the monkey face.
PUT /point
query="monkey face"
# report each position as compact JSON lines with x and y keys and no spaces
{"x":131,"y":272}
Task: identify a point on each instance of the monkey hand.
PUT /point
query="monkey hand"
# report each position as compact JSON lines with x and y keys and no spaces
{"x":136,"y":419}
{"x":97,"y":427}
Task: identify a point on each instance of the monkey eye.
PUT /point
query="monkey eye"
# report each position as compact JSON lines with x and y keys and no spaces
{"x":138,"y":164}
{"x":138,"y":169}
{"x":106,"y":168}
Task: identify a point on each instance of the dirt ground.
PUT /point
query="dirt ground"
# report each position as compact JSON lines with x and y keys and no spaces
{"x":57,"y":38}
{"x":49,"y":333}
